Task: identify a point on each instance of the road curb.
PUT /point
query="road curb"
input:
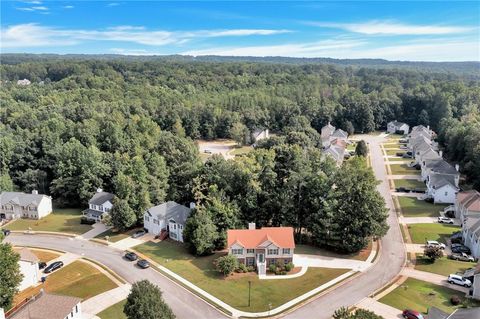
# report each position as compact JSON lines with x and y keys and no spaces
{"x":34,"y":232}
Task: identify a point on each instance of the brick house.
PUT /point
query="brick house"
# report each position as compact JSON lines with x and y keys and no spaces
{"x":261,"y":247}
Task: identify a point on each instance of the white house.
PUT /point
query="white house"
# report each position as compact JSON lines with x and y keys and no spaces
{"x":167,"y":219}
{"x":443,"y":188}
{"x":99,"y":205}
{"x":467,"y":204}
{"x":326,"y":132}
{"x":394,"y":126}
{"x":421,"y":130}
{"x":21,"y":205}
{"x":50,"y":306}
{"x":471,"y":234}
{"x":29,"y":268}
{"x":260,"y":134}
{"x":23,"y":82}
{"x":337,"y":152}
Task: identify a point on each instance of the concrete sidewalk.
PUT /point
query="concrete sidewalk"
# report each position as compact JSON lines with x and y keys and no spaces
{"x":98,"y":228}
{"x":432,"y":278}
{"x":416,"y":195}
{"x":380,"y":309}
{"x":98,"y":303}
{"x":415,"y":177}
{"x":329,"y":262}
{"x":417,"y":220}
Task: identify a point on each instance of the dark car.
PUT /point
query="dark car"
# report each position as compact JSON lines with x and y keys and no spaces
{"x":429,"y":200}
{"x":6,"y":232}
{"x":53,"y":266}
{"x":458,"y":248}
{"x":406,"y":155}
{"x":139,"y":233}
{"x":142,"y":263}
{"x":418,"y":190}
{"x":42,"y":265}
{"x":412,"y":314}
{"x":131,"y":256}
{"x":456,"y":238}
{"x":402,"y":190}
{"x":400,"y":153}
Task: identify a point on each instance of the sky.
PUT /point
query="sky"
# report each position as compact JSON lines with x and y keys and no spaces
{"x":392,"y":30}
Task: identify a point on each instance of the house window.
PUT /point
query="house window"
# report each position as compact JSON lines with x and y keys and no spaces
{"x":270,"y":261}
{"x":76,"y":308}
{"x":273,"y":251}
{"x":446,"y":193}
{"x":237,"y":251}
{"x":147,"y":218}
{"x":100,"y":207}
{"x":286,"y":251}
{"x":173,"y":235}
{"x":180,"y":226}
{"x":155,"y":221}
{"x":286,"y":261}
{"x":250,"y":251}
{"x":250,"y":261}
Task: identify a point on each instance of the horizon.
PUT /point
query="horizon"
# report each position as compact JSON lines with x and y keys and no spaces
{"x":393,"y":31}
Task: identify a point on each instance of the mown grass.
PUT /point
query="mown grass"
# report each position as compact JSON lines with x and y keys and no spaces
{"x":442,"y":266}
{"x":413,"y":207}
{"x":409,"y":183}
{"x":311,"y":250}
{"x":114,"y":312}
{"x":114,"y":235}
{"x":433,"y":231}
{"x":403,"y":169}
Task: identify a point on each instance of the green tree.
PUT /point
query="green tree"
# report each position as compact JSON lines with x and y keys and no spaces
{"x":122,"y":216}
{"x":145,"y":301}
{"x":433,"y":253}
{"x":361,"y":149}
{"x":344,"y":313}
{"x":226,"y":264}
{"x":10,"y":276}
{"x":6,"y":183}
{"x":200,"y":233}
{"x":239,"y":133}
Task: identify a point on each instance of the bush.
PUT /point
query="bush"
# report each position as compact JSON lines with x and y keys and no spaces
{"x":242,"y":268}
{"x":433,"y":253}
{"x":86,"y":221}
{"x":251,"y":268}
{"x":455,"y":300}
{"x":283,"y":272}
{"x":272,"y":268}
{"x":289,"y":266}
{"x":226,"y":264}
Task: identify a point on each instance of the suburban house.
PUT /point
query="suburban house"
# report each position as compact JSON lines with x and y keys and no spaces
{"x":21,"y":205}
{"x":261,"y":247}
{"x":325,"y":134}
{"x":394,"y":126}
{"x":49,"y":306}
{"x":167,"y":219}
{"x":471,"y":234}
{"x":442,"y":188}
{"x":438,"y":165}
{"x":421,"y":130}
{"x":29,"y":268}
{"x":334,"y":142}
{"x":23,"y":82}
{"x":473,"y":274}
{"x":99,"y":205}
{"x":337,"y":152}
{"x":467,"y":204}
{"x":259,"y":134}
{"x":460,"y":313}
{"x":339,"y":134}
{"x":426,"y":153}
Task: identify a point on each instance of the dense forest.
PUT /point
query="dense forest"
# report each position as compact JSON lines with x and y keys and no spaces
{"x":130,"y":126}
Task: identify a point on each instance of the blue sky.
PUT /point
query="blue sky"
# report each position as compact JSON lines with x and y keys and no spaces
{"x":393,"y":30}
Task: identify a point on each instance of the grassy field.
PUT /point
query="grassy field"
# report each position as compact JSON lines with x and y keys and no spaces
{"x":241,"y":150}
{"x":394,"y":152}
{"x":412,"y":207}
{"x":234,"y":290}
{"x":435,"y":231}
{"x":409,"y":183}
{"x":420,"y":295}
{"x":403,"y":169}
{"x":400,"y":159}
{"x":114,"y":236}
{"x":60,"y":220}
{"x":311,"y":250}
{"x":114,"y":312}
{"x":442,"y":266}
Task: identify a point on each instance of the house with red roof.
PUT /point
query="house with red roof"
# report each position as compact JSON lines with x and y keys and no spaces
{"x":261,"y":247}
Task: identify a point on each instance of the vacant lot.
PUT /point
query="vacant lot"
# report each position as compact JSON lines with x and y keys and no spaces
{"x":420,"y":295}
{"x":403,"y":169}
{"x":114,"y":312}
{"x":412,"y":207}
{"x":442,"y":266}
{"x":409,"y":183}
{"x":60,"y":220}
{"x":201,"y":272}
{"x":435,"y":231}
{"x":311,"y":250}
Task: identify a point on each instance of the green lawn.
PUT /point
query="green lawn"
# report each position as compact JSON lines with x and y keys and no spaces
{"x":241,"y":150}
{"x":403,"y":169}
{"x":434,"y":231}
{"x":394,"y":152}
{"x":234,"y":290}
{"x":442,"y":266}
{"x":420,"y":295}
{"x":114,"y":312}
{"x":409,"y":183}
{"x":114,"y":236}
{"x":412,"y":207}
{"x":311,"y":250}
{"x":398,"y":159}
{"x":60,"y":220}
{"x":393,"y":145}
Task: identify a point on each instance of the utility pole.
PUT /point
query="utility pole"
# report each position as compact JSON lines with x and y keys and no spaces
{"x":249,"y":288}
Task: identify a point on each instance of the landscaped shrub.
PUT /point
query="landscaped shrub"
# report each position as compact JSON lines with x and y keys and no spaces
{"x":226,"y":264}
{"x":455,"y":300}
{"x":86,"y":221}
{"x":433,"y":253}
{"x":283,"y":272}
{"x":289,"y":266}
{"x":251,"y":268}
{"x":272,"y":268}
{"x":242,"y":268}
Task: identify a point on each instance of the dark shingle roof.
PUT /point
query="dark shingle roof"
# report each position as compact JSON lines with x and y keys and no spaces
{"x":441,"y":166}
{"x":440,"y":180}
{"x":100,"y":198}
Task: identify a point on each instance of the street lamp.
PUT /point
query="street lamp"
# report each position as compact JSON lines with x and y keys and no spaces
{"x":249,"y":288}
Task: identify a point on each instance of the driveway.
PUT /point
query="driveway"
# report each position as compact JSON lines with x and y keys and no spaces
{"x":98,"y":228}
{"x":379,"y":308}
{"x":98,"y":303}
{"x":329,"y":262}
{"x":217,"y":147}
{"x":432,"y":278}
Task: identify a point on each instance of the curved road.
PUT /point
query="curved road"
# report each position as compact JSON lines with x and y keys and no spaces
{"x":186,"y":305}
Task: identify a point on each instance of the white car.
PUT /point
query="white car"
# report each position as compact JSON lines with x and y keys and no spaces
{"x":459,"y":280}
{"x":445,"y":220}
{"x":434,"y":243}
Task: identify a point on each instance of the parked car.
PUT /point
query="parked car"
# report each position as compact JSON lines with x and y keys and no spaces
{"x":406,"y":155}
{"x":6,"y":232}
{"x":417,"y":167}
{"x":53,"y":266}
{"x":142,"y":263}
{"x":459,"y":280}
{"x":418,"y":190}
{"x":459,"y":248}
{"x":207,"y":151}
{"x":412,"y":314}
{"x":139,"y":233}
{"x":462,"y":257}
{"x":399,"y":153}
{"x":403,"y":147}
{"x":42,"y":265}
{"x":131,"y":256}
{"x":445,"y":220}
{"x":429,"y":200}
{"x":402,"y":190}
{"x":456,"y":238}
{"x":402,"y":140}
{"x":434,"y":243}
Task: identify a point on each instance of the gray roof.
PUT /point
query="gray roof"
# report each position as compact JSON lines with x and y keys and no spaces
{"x":27,"y":255}
{"x":440,"y":180}
{"x":100,"y":198}
{"x":22,"y":199}
{"x":339,"y":133}
{"x":336,"y":151}
{"x":170,"y":210}
{"x":422,"y":147}
{"x":440,"y":166}
{"x":429,"y":154}
{"x":257,"y":132}
{"x":47,"y":306}
{"x":397,"y":123}
{"x":327,"y":130}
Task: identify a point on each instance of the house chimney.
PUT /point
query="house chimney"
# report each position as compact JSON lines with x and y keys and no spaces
{"x":428,"y":127}
{"x":440,"y":153}
{"x":192,"y":205}
{"x":99,"y":190}
{"x":457,"y":167}
{"x":251,"y":226}
{"x":34,"y":192}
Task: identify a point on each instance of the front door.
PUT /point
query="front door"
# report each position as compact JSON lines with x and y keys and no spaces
{"x":260,"y":258}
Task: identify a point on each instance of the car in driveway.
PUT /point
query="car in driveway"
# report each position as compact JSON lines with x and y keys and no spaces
{"x":402,"y":190}
{"x":434,"y":243}
{"x":42,"y":265}
{"x":6,"y":232}
{"x":139,"y":233}
{"x":53,"y":266}
{"x":143,"y":263}
{"x":411,"y":314}
{"x":456,"y":238}
{"x":459,"y":280}
{"x":445,"y":220}
{"x":462,"y":257}
{"x":459,"y":248}
{"x":131,"y":256}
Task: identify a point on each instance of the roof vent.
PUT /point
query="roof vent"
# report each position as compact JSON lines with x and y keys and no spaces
{"x":192,"y":205}
{"x":34,"y":192}
{"x":99,"y":190}
{"x":251,"y":226}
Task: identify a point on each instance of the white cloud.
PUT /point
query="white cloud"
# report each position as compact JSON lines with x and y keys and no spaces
{"x":68,"y":7}
{"x":33,"y":2}
{"x":393,"y":28}
{"x":34,"y":35}
{"x":113,"y":4}
{"x":43,"y":9}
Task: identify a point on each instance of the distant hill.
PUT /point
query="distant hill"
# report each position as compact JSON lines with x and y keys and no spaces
{"x":467,"y":68}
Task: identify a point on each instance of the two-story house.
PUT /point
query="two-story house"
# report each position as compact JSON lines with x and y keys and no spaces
{"x":167,"y":219}
{"x":29,"y":268}
{"x":50,"y":306}
{"x":443,"y":188}
{"x":471,"y":234}
{"x":99,"y":205}
{"x":394,"y":126}
{"x":421,"y":130}
{"x":467,"y":204}
{"x":16,"y":205}
{"x":261,"y":247}
{"x":326,"y":132}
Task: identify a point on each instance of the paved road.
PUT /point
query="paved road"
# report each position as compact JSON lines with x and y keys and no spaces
{"x":183,"y":303}
{"x":389,"y":264}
